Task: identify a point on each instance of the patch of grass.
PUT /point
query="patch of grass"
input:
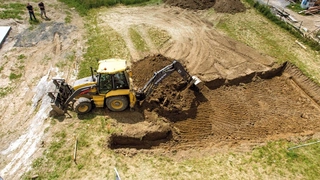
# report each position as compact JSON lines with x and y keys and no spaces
{"x":12,"y":10}
{"x":301,"y":162}
{"x":21,"y":67}
{"x":68,"y":18}
{"x":83,"y":6}
{"x":34,"y":24}
{"x":14,"y":76}
{"x":138,"y":42}
{"x":4,"y":91}
{"x":296,"y":7}
{"x":158,"y":36}
{"x":21,"y":56}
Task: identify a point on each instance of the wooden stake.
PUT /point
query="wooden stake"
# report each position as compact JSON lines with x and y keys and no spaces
{"x":75,"y":150}
{"x":301,"y":44}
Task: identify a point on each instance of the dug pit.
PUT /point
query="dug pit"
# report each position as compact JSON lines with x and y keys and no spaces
{"x":280,"y":103}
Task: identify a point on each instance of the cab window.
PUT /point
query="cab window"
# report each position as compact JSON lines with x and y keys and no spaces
{"x":105,"y":83}
{"x":120,"y":81}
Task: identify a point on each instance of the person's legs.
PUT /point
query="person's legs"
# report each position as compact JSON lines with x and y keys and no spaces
{"x":30,"y":15}
{"x":34,"y":16}
{"x":44,"y":12}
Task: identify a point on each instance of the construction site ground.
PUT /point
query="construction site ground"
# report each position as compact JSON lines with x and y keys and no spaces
{"x":248,"y":99}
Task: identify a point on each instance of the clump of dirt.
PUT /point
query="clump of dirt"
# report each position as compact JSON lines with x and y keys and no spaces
{"x":222,"y":6}
{"x":191,"y":4}
{"x":229,"y":6}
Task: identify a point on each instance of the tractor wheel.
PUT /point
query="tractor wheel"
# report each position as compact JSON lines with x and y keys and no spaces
{"x":117,"y":103}
{"x":82,"y":106}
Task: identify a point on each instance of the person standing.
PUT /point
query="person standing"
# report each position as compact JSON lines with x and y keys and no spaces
{"x":31,"y":13}
{"x":42,"y":9}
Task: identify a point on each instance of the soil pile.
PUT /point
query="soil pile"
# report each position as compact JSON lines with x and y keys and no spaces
{"x":171,"y":99}
{"x":222,"y":6}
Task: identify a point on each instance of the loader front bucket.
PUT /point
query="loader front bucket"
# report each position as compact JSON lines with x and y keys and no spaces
{"x":59,"y":97}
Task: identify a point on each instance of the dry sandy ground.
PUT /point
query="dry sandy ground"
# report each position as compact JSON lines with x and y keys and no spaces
{"x":194,"y":41}
{"x":33,"y":52}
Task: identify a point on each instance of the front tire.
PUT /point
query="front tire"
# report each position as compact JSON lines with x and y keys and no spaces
{"x":117,"y":103}
{"x":82,"y":106}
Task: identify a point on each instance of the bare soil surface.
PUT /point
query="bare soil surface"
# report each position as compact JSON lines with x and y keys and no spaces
{"x":259,"y":107}
{"x":248,"y":98}
{"x":221,"y":6}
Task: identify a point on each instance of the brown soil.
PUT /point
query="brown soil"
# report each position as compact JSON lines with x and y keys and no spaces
{"x":221,"y":6}
{"x":256,"y":108}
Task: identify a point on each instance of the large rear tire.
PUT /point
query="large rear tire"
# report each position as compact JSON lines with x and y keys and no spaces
{"x":117,"y":103}
{"x":82,"y":106}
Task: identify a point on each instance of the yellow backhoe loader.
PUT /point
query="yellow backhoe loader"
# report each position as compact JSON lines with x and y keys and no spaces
{"x":110,"y":87}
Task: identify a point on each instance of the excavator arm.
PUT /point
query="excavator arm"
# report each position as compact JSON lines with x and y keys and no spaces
{"x":160,"y":75}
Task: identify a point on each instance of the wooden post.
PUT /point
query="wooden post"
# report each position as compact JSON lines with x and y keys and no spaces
{"x":75,"y":150}
{"x":300,"y":24}
{"x":300,"y":44}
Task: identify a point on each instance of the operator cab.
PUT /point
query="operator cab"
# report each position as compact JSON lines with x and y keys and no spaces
{"x":112,"y":75}
{"x":108,"y":82}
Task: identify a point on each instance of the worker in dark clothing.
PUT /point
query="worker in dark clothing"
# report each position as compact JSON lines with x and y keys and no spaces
{"x":42,"y":10}
{"x":31,"y":13}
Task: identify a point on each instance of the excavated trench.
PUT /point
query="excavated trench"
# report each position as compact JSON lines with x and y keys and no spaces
{"x":274,"y":104}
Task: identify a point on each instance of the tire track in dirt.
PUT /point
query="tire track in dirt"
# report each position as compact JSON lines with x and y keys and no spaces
{"x":247,"y":100}
{"x":193,"y":41}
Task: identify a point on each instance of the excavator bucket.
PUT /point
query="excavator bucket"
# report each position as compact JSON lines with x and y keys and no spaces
{"x":193,"y":82}
{"x":196,"y":82}
{"x":59,"y":97}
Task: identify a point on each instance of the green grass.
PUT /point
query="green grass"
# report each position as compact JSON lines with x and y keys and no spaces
{"x":12,"y":10}
{"x":21,"y":56}
{"x":14,"y":76}
{"x":83,"y":6}
{"x":299,"y":162}
{"x":4,"y":91}
{"x":296,"y":7}
{"x":158,"y":36}
{"x":68,"y":18}
{"x":138,"y":41}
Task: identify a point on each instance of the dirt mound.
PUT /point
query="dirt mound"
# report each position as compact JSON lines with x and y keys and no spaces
{"x":222,"y":6}
{"x":191,"y":4}
{"x":170,"y":99}
{"x":229,"y":6}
